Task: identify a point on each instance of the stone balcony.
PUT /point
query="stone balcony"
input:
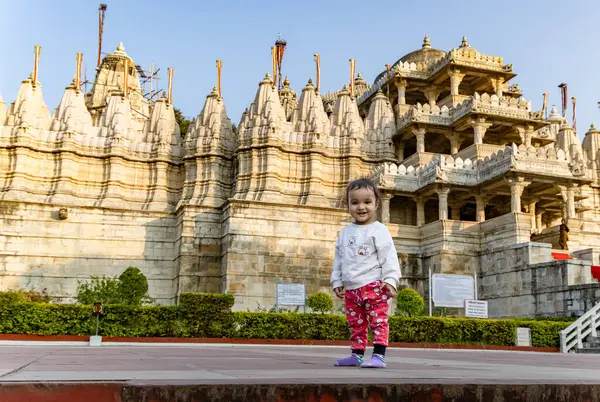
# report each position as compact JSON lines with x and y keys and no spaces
{"x":452,"y":100}
{"x":418,"y":159}
{"x":479,"y":151}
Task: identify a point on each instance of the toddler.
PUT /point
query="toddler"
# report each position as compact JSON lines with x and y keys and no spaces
{"x":366,"y":265}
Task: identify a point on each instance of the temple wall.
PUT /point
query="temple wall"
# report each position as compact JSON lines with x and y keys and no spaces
{"x":40,"y":251}
{"x":522,"y":280}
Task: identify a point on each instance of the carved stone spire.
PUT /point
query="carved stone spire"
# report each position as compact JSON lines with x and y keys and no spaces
{"x":426,"y":43}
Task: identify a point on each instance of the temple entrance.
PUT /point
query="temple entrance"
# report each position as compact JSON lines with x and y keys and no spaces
{"x":403,"y":211}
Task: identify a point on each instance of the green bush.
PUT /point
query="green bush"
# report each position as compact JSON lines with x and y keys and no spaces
{"x":206,"y":315}
{"x":24,"y":296}
{"x":409,"y":302}
{"x":130,"y":288}
{"x":133,"y":287}
{"x":210,"y":315}
{"x":320,"y":302}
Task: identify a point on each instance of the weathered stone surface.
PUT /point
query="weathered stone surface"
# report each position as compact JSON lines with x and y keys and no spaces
{"x":473,"y":181}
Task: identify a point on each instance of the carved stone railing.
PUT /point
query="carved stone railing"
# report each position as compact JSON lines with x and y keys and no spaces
{"x":418,"y":159}
{"x":465,"y":172}
{"x":494,"y":106}
{"x":472,"y":58}
{"x":479,"y":151}
{"x":425,"y":114}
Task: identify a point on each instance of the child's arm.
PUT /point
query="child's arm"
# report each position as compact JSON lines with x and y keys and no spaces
{"x":387,"y":257}
{"x":336,"y":275}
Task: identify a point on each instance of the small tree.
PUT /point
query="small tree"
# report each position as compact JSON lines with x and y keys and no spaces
{"x":320,"y":302}
{"x":130,"y":288}
{"x":409,"y":302}
{"x":133,"y":287}
{"x":104,"y":290}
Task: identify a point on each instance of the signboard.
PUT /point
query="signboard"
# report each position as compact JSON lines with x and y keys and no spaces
{"x":452,"y":290}
{"x":291,"y":294}
{"x":476,"y":308}
{"x":523,"y":337}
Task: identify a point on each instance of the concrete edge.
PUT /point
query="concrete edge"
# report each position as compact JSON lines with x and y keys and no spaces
{"x":71,"y":340}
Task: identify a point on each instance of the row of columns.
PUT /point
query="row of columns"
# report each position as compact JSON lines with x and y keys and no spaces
{"x":479,"y":124}
{"x":517,"y":187}
{"x":432,"y":92}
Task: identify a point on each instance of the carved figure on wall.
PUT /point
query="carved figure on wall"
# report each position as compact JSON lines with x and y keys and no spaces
{"x":563,"y":235}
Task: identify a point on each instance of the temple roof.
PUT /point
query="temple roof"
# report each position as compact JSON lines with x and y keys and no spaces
{"x":425,"y":55}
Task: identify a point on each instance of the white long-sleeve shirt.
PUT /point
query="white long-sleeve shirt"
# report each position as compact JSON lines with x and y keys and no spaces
{"x":364,"y":254}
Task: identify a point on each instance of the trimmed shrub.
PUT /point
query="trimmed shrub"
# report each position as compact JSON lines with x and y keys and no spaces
{"x":320,"y":302}
{"x":206,"y":315}
{"x":210,"y":315}
{"x":409,"y":303}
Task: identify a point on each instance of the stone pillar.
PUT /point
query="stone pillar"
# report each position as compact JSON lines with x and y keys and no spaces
{"x":571,"y":202}
{"x":420,"y":201}
{"x":497,"y":84}
{"x":443,"y":203}
{"x":455,"y":79}
{"x":431,"y":93}
{"x":517,"y":185}
{"x":420,"y":135}
{"x":479,"y":128}
{"x":480,"y":202}
{"x":455,"y":141}
{"x":455,"y":211}
{"x":385,"y":207}
{"x":531,"y":210}
{"x":525,"y":132}
{"x":400,"y":151}
{"x":401,"y":86}
{"x":538,"y":220}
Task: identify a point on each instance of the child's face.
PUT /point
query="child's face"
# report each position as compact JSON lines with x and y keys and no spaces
{"x":362,"y":205}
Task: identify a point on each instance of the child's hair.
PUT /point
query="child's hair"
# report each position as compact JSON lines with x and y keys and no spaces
{"x":363,"y":183}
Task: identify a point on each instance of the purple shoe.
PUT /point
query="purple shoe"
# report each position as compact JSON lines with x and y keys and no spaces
{"x":351,"y":361}
{"x":377,"y":361}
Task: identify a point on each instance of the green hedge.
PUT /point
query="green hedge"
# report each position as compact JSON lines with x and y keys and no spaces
{"x":210,"y":315}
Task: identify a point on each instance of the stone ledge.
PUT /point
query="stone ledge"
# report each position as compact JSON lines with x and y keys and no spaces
{"x":388,"y":391}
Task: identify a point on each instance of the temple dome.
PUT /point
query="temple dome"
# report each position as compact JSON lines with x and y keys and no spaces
{"x":425,"y":55}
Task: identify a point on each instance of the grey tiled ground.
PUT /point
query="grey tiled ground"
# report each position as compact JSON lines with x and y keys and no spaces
{"x":225,"y":364}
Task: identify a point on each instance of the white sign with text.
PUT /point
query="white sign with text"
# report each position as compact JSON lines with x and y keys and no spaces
{"x":291,"y":294}
{"x":452,"y":290}
{"x":476,"y":308}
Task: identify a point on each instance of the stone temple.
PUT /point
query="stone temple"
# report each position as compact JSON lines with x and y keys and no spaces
{"x":474,"y":182}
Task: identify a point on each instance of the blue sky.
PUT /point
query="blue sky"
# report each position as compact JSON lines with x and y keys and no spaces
{"x":548,"y":42}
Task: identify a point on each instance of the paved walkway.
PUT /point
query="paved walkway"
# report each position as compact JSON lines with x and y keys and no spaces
{"x":242,"y":364}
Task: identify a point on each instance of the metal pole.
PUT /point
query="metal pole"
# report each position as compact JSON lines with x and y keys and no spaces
{"x":430,"y":295}
{"x":97,"y":323}
{"x":475,"y":281}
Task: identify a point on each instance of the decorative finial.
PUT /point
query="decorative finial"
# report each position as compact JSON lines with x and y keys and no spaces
{"x":592,"y":127}
{"x":426,"y":43}
{"x":464,"y":42}
{"x":286,"y":82}
{"x":215,"y":91}
{"x":163,"y":95}
{"x":554,"y":116}
{"x":120,"y":47}
{"x":310,"y":81}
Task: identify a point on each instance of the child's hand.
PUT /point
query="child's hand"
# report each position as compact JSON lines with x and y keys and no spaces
{"x":339,"y":292}
{"x":391,"y":291}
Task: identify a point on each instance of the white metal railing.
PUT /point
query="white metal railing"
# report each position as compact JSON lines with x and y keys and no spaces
{"x":574,"y":334}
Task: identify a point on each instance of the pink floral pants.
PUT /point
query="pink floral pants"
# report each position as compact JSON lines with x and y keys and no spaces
{"x":364,"y":306}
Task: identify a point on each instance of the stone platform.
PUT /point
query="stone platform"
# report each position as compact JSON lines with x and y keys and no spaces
{"x":161,"y":373}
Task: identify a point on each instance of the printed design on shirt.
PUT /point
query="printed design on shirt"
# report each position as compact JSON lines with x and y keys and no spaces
{"x":352,"y":241}
{"x":363,"y":251}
